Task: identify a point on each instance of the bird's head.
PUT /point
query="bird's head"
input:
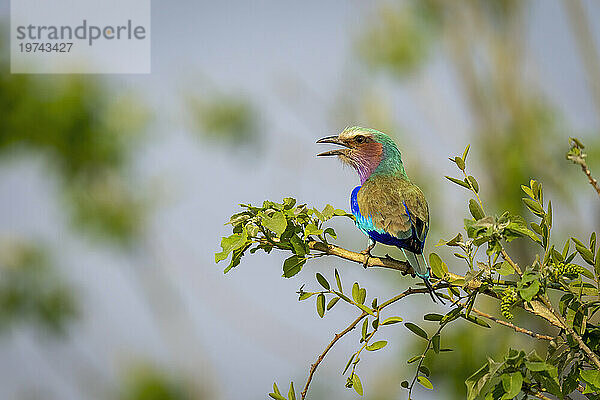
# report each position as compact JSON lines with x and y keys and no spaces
{"x":367,"y":150}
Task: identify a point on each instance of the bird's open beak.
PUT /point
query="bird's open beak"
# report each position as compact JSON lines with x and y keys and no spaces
{"x":335,"y":140}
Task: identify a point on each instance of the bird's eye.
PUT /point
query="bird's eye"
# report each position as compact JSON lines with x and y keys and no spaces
{"x":360,"y":139}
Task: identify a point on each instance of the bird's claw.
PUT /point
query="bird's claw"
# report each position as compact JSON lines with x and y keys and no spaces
{"x":367,"y":253}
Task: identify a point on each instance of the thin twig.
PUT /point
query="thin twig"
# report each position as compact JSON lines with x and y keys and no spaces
{"x":423,"y":355}
{"x":350,"y":327}
{"x":511,"y":262}
{"x":337,"y":337}
{"x":511,"y":325}
{"x":592,"y":180}
{"x":577,"y":156}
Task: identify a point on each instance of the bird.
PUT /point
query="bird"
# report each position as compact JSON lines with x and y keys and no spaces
{"x":387,"y":206}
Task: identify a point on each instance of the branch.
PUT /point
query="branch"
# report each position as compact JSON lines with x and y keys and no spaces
{"x":336,"y":337}
{"x":511,"y":325}
{"x":535,"y":307}
{"x":423,"y":355}
{"x":511,"y":262}
{"x":350,"y":327}
{"x":371,"y":261}
{"x":593,"y":357}
{"x":577,"y":156}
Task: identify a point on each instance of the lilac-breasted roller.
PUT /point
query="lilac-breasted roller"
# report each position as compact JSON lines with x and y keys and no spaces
{"x":388,"y":207}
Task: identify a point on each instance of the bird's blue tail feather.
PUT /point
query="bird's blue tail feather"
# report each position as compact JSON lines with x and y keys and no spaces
{"x":422,"y":270}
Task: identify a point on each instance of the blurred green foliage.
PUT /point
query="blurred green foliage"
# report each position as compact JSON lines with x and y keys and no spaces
{"x":514,"y":123}
{"x":86,"y":134}
{"x":399,"y":39}
{"x":31,"y":291}
{"x":146,"y":382}
{"x":228,"y":119}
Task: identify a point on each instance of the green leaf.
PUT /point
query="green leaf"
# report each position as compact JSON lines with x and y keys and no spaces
{"x":464,"y":156}
{"x":416,"y":330}
{"x":413,"y":359}
{"x":292,"y":265}
{"x":437,"y":265}
{"x":424,"y":382}
{"x":459,"y":163}
{"x":311,"y":229}
{"x":459,"y":182}
{"x":473,"y":183}
{"x":362,"y":296}
{"x":433,"y":317}
{"x":332,"y":303}
{"x":327,"y":212}
{"x":330,"y":232}
{"x":476,"y":210}
{"x":365,"y":326}
{"x":506,"y":269}
{"x":530,"y":291}
{"x":298,"y":245}
{"x":276,"y":393}
{"x":288,"y":203}
{"x":292,"y":393}
{"x":591,"y":377}
{"x":275,"y":223}
{"x":534,"y":206}
{"x":512,"y":383}
{"x":376,"y":346}
{"x":236,"y":257}
{"x":338,"y":280}
{"x":355,"y":292}
{"x":306,"y":295}
{"x":538,"y":366}
{"x":527,"y":191}
{"x":483,"y":379}
{"x":348,"y":363}
{"x":435,"y":341}
{"x":366,"y":309}
{"x":321,"y":305}
{"x":585,"y":253}
{"x":322,"y":281}
{"x":476,"y":320}
{"x":597,"y":265}
{"x":231,"y":243}
{"x":356,"y":384}
{"x":391,"y":320}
